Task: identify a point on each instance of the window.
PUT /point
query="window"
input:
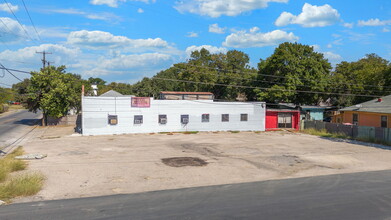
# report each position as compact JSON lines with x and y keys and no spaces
{"x":205,"y":118}
{"x":243,"y":117}
{"x":355,"y":119}
{"x":163,"y":119}
{"x":383,"y":121}
{"x":284,"y":120}
{"x":138,"y":119}
{"x":184,"y":119}
{"x":225,"y":117}
{"x":113,"y":119}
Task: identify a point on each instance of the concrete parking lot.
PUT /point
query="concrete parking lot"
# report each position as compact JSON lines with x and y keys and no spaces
{"x":79,"y":166}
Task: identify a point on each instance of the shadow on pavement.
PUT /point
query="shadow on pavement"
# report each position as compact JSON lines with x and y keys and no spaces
{"x":350,"y":141}
{"x":29,"y":122}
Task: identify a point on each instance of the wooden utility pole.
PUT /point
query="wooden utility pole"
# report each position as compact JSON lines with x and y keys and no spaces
{"x":44,"y":58}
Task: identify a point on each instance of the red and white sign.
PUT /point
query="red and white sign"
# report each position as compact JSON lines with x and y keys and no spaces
{"x":141,"y":102}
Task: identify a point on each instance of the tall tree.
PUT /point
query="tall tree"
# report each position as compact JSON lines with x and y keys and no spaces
{"x":290,"y":68}
{"x":367,"y":76}
{"x":54,"y":92}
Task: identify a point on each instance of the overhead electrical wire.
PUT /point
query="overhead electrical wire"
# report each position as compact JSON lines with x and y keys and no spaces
{"x":1,"y":65}
{"x":31,"y":20}
{"x":264,"y":88}
{"x":270,"y":82}
{"x":17,"y":19}
{"x":275,"y":76}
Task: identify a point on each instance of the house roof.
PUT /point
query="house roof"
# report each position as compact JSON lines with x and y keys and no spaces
{"x":185,"y":93}
{"x":111,"y":93}
{"x":376,"y":106}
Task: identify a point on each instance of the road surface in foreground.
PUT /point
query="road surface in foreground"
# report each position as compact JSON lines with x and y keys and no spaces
{"x":364,"y":195}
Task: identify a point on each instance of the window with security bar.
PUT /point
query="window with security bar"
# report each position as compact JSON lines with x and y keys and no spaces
{"x":243,"y":117}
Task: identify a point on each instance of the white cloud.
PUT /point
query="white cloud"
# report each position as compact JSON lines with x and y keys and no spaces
{"x":104,"y":16}
{"x":211,"y":49}
{"x":253,"y":38}
{"x":192,"y":34}
{"x":348,"y":25}
{"x":333,"y":57}
{"x":374,"y":22}
{"x":105,"y":40}
{"x":217,"y":8}
{"x":316,"y":47}
{"x":311,"y":16}
{"x":386,"y":30}
{"x":214,"y":28}
{"x":140,"y":10}
{"x":114,"y":3}
{"x":4,"y":7}
{"x":28,"y":56}
{"x":13,"y":32}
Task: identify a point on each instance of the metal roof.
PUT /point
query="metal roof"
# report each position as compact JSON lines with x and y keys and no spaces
{"x":376,"y":106}
{"x":111,"y":93}
{"x":185,"y":93}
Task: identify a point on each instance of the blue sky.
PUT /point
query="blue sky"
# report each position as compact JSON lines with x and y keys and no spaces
{"x":125,"y":40}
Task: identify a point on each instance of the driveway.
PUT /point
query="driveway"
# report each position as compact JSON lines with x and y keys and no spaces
{"x":87,"y":166}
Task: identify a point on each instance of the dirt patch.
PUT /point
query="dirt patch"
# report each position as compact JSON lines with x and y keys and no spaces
{"x":184,"y":161}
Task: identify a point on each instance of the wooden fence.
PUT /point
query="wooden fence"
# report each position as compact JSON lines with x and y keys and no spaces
{"x":354,"y":131}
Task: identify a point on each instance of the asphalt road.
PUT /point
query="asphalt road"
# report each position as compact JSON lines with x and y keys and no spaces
{"x":13,"y":126}
{"x":349,"y":196}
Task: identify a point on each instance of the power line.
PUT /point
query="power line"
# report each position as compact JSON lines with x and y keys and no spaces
{"x":268,"y":75}
{"x":10,"y":72}
{"x":28,"y":13}
{"x":24,"y":29}
{"x":264,"y":88}
{"x":270,"y":82}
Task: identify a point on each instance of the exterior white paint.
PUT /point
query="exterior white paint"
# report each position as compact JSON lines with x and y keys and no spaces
{"x":96,"y":111}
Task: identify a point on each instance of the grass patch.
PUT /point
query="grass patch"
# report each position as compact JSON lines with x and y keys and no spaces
{"x":234,"y":132}
{"x":21,"y":185}
{"x":324,"y":133}
{"x":12,"y":186}
{"x":8,"y":164}
{"x":190,"y":132}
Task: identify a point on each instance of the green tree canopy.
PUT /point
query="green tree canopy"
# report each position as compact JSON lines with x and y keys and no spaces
{"x":293,"y":67}
{"x":367,"y":76}
{"x":54,"y":92}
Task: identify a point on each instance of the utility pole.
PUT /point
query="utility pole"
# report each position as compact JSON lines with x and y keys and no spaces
{"x":44,"y":58}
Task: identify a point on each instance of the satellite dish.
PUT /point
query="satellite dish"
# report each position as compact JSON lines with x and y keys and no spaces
{"x":358,"y":106}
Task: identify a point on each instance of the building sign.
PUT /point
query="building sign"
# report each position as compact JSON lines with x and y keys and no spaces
{"x":141,"y":102}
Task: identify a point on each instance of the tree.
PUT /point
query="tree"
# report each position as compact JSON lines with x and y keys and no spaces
{"x":367,"y":76}
{"x":293,"y":67}
{"x":54,"y":92}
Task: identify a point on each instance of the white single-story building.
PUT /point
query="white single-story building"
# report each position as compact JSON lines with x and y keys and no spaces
{"x":125,"y":114}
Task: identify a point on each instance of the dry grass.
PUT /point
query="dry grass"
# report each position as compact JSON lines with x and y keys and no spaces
{"x":21,"y":185}
{"x":12,"y":186}
{"x":8,"y":164}
{"x":324,"y":133}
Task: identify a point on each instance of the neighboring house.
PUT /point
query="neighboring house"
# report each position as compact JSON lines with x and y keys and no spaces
{"x":122,"y":114}
{"x":186,"y":95}
{"x":317,"y":113}
{"x":282,"y":116}
{"x":374,"y":113}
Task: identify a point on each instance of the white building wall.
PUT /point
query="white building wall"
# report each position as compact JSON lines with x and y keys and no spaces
{"x":96,"y":111}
